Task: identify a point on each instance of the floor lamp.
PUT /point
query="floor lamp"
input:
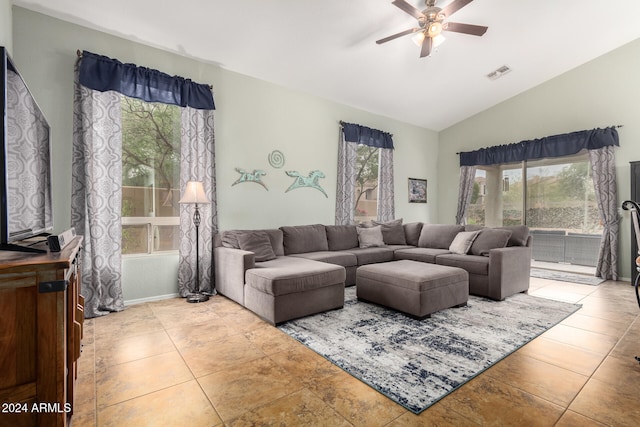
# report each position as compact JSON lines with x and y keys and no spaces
{"x":194,"y":194}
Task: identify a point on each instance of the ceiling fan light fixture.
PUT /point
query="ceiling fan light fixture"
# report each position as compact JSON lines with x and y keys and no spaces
{"x":418,"y":38}
{"x":438,"y":40}
{"x":435,"y":28}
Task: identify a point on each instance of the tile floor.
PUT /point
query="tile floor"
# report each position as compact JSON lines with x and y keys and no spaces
{"x":171,"y":363}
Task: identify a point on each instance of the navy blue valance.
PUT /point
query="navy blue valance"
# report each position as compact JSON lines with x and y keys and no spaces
{"x":366,"y":136}
{"x":548,"y":147}
{"x":101,"y":73}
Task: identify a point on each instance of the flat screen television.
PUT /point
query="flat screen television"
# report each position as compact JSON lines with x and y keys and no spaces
{"x":25,"y":162}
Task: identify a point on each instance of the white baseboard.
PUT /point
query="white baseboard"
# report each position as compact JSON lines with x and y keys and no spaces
{"x":149,"y":299}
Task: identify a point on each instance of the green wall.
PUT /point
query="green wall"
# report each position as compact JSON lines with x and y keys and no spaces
{"x":600,"y":93}
{"x":252,"y":119}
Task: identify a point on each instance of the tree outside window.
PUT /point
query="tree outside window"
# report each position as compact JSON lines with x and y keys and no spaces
{"x":366,"y":194}
{"x":150,"y":176}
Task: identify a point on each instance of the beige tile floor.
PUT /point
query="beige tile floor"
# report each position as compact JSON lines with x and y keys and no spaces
{"x":170,"y":363}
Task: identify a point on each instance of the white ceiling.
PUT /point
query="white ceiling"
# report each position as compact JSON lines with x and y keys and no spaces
{"x":327,"y":47}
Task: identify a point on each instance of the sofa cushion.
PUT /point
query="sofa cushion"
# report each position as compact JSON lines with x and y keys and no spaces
{"x":345,"y":259}
{"x":412,"y":233}
{"x":490,"y":238}
{"x":473,"y":264}
{"x":463,"y":241}
{"x":372,"y":255}
{"x":286,"y":275}
{"x":257,"y":242}
{"x":341,"y":237}
{"x":304,"y":238}
{"x":229,"y":239}
{"x":392,"y":232}
{"x":420,"y":254}
{"x":438,"y":236}
{"x":370,"y":237}
{"x":519,"y":234}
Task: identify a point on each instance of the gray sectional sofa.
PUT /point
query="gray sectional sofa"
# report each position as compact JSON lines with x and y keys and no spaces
{"x":294,"y":271}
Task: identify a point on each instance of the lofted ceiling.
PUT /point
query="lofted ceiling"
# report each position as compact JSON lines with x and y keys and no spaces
{"x":327,"y":47}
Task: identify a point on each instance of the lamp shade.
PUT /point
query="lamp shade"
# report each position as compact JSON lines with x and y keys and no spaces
{"x":194,"y":193}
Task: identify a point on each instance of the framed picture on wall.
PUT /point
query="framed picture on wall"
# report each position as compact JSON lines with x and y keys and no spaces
{"x":417,"y":190}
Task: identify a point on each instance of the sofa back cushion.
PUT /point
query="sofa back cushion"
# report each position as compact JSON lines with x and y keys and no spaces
{"x":229,"y":239}
{"x":412,"y":233}
{"x":392,"y":232}
{"x":490,"y":238}
{"x":438,"y":236}
{"x":304,"y":238}
{"x":341,"y":237}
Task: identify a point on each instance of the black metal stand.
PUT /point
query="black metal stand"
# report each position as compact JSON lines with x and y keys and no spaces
{"x":634,"y":208}
{"x":197,"y":296}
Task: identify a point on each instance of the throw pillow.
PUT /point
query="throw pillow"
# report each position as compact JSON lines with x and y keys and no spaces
{"x":257,"y":242}
{"x":392,"y":232}
{"x":412,"y":232}
{"x":370,"y":237}
{"x":490,"y":238}
{"x":519,"y":234}
{"x":463,"y":241}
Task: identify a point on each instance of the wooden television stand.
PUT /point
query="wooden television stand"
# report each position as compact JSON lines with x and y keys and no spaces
{"x":41,"y":318}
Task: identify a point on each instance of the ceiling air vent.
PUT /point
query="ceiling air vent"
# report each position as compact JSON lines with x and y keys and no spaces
{"x":498,"y":73}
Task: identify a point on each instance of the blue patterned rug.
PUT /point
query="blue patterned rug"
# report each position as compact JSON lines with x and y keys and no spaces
{"x":416,"y":363}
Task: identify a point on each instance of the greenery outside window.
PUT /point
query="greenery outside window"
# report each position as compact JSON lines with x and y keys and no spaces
{"x":366,"y":194}
{"x":554,"y":194}
{"x":150,"y":176}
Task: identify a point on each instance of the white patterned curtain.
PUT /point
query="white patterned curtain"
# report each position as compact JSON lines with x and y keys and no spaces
{"x":197,"y":163}
{"x":346,"y":187}
{"x":467,"y":176}
{"x":603,"y":172}
{"x":352,"y":135}
{"x":96,"y":196}
{"x":386,"y":194}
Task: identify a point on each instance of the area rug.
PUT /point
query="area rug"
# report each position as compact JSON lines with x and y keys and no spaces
{"x":564,"y":276}
{"x":418,"y":362}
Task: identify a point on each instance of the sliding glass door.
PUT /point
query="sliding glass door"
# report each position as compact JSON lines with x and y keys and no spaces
{"x":554,"y":197}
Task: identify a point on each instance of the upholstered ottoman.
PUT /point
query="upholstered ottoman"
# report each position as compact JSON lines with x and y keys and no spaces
{"x":286,"y":288}
{"x":413,"y":287}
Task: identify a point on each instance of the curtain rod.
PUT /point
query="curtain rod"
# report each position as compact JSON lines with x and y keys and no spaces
{"x":79,"y":53}
{"x":615,"y":126}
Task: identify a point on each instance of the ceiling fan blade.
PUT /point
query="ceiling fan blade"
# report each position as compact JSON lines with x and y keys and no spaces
{"x":455,"y":6}
{"x":395,"y":36}
{"x":427,"y":44}
{"x":408,"y":8}
{"x":457,"y":27}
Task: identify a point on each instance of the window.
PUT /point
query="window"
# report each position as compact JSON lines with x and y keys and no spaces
{"x":366,"y":194}
{"x":150,"y":176}
{"x":558,"y":198}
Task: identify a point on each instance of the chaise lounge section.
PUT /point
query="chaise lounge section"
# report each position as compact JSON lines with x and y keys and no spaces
{"x":295,"y":271}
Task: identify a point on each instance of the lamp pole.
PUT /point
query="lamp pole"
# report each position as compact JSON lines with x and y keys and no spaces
{"x":194,"y":194}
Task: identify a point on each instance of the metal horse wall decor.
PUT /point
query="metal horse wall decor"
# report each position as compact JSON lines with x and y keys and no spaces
{"x":310,"y":181}
{"x":254,"y":176}
{"x":276,"y":160}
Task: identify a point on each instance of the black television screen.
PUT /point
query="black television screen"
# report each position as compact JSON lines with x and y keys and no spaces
{"x":25,"y":178}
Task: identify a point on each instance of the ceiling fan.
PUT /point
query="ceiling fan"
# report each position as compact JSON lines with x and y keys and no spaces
{"x":432,"y":21}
